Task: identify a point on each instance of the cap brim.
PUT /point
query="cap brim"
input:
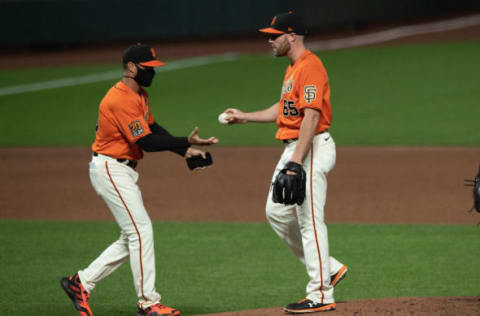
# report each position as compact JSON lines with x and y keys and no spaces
{"x":153,"y":63}
{"x":271,"y":30}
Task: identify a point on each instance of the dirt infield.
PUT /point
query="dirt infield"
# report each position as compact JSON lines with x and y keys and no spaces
{"x":367,"y":185}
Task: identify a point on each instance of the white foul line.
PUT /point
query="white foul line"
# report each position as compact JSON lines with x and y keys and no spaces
{"x":398,"y":32}
{"x":109,"y":75}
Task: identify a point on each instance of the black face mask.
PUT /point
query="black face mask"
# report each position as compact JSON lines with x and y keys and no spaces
{"x":144,"y":77}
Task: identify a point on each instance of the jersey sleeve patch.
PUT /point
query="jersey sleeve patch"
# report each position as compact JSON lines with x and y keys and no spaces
{"x":136,"y":128}
{"x":310,"y":93}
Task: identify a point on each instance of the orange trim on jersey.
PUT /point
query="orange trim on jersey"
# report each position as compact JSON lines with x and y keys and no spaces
{"x":271,"y":30}
{"x":313,"y":221}
{"x":134,"y":225}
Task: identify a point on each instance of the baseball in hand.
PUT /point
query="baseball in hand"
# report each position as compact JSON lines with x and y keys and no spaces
{"x":222,"y":118}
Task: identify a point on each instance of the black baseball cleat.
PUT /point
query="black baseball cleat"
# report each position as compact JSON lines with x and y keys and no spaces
{"x":339,"y":276}
{"x":79,"y":296}
{"x":308,"y":306}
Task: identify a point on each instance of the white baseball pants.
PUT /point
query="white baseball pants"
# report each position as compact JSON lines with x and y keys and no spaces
{"x":303,"y":227}
{"x":116,"y":183}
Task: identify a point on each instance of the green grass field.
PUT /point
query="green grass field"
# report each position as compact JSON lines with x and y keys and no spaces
{"x":206,"y":268}
{"x":407,"y":95}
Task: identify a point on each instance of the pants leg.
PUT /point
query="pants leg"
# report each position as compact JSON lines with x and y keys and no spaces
{"x":318,"y":162}
{"x":116,"y":184}
{"x":303,"y":228}
{"x":335,"y":265}
{"x":110,"y":259}
{"x":283,"y":220}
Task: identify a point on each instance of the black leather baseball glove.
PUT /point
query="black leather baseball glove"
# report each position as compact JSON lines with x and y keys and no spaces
{"x":198,"y":161}
{"x":475,"y":183}
{"x":290,"y":188}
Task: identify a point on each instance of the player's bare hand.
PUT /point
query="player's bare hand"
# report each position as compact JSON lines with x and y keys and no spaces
{"x":235,"y":116}
{"x":194,"y":139}
{"x":194,"y":152}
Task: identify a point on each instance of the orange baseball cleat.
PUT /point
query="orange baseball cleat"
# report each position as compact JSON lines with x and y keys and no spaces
{"x":79,"y":296}
{"x":339,"y":276}
{"x":158,"y":310}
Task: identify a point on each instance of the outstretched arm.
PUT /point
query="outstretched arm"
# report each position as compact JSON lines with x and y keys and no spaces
{"x":160,"y":139}
{"x":236,"y":116}
{"x":154,"y":142}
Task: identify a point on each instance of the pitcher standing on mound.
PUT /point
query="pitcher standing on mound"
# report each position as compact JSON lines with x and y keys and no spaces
{"x":303,"y":116}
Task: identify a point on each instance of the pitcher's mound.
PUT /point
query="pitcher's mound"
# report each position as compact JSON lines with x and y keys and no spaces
{"x":468,"y":305}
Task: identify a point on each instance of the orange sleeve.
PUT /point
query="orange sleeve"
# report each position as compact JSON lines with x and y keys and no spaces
{"x":312,"y":83}
{"x":131,"y":121}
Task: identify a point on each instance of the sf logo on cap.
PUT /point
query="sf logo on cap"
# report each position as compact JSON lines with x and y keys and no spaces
{"x":273,"y":20}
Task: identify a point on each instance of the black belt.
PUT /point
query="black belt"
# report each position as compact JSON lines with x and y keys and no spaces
{"x":288,"y":141}
{"x":131,"y":163}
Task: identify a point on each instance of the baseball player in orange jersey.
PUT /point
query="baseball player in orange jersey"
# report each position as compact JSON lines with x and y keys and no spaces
{"x":125,"y":129}
{"x":303,"y":116}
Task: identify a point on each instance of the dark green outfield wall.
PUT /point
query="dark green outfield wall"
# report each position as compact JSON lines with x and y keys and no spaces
{"x":44,"y":23}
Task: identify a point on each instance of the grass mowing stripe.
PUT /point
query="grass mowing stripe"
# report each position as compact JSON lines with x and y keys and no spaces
{"x":402,"y":95}
{"x":213,"y":267}
{"x":109,"y":75}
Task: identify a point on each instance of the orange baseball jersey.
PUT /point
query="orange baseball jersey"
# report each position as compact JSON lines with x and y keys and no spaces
{"x":124,"y":116}
{"x":305,"y":86}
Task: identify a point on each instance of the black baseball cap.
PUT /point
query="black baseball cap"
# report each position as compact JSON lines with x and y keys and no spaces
{"x":142,"y":54}
{"x":286,"y":23}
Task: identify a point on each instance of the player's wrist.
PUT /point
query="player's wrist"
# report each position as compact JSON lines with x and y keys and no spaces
{"x":296,"y":159}
{"x":242,"y":117}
